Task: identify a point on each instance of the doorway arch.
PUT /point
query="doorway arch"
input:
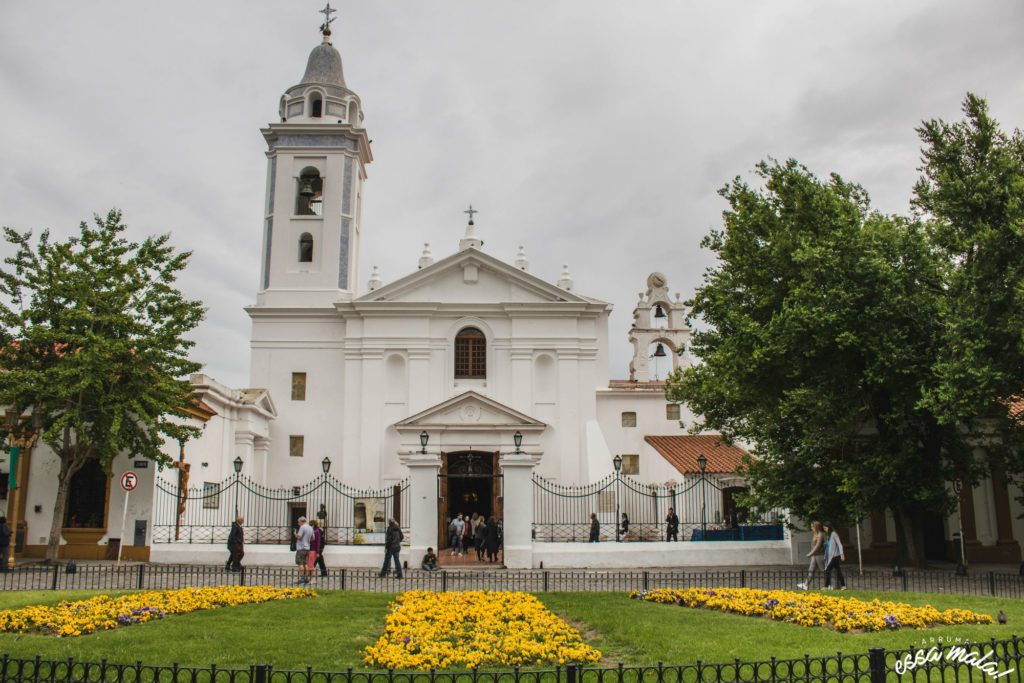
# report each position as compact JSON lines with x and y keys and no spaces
{"x":469,"y":481}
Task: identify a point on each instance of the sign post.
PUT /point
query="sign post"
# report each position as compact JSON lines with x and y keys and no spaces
{"x":129,"y":480}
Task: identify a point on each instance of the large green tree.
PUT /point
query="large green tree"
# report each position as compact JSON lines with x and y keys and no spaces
{"x":92,"y":338}
{"x":866,"y":356}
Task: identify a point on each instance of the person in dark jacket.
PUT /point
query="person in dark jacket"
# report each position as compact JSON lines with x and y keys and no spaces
{"x":595,"y":528}
{"x":5,"y":545}
{"x":492,"y":540}
{"x":672,"y":526}
{"x":481,"y":539}
{"x":320,"y":540}
{"x":236,"y":545}
{"x":623,"y":527}
{"x":392,"y":545}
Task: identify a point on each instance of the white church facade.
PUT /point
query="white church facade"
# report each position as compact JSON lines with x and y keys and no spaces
{"x":460,"y":384}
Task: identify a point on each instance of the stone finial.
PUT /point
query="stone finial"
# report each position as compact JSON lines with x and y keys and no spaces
{"x":521,"y":262}
{"x":375,"y":281}
{"x":426,"y":258}
{"x":470,"y":239}
{"x":565,"y":282}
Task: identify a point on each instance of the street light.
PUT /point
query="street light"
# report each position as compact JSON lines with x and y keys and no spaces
{"x":326,"y":464}
{"x":238,"y":469}
{"x":518,"y":439}
{"x":617,"y":464}
{"x":702,"y":463}
{"x":424,"y":438}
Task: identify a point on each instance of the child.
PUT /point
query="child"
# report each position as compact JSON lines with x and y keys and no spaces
{"x":429,"y":560}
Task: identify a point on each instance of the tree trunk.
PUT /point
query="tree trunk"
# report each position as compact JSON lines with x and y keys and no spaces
{"x":909,"y":538}
{"x":59,"y":506}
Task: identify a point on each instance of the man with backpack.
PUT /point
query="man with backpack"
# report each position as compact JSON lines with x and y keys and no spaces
{"x":455,"y":530}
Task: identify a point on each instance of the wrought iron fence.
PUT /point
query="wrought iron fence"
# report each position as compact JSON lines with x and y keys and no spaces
{"x":561,"y":513}
{"x":957,"y":661}
{"x":349,"y":516}
{"x":156,"y":576}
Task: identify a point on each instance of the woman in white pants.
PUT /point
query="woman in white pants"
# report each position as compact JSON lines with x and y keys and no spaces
{"x":817,"y":554}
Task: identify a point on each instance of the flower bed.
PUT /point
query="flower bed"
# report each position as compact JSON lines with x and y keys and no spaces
{"x":103,"y":613}
{"x":474,"y":628}
{"x":814,"y":609}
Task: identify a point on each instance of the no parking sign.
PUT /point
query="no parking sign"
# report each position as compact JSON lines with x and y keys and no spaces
{"x":129,"y":480}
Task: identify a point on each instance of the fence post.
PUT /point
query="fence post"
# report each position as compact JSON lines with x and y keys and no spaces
{"x":142,"y":569}
{"x":570,"y":673}
{"x":743,"y":578}
{"x":56,"y":571}
{"x":992,"y":583}
{"x":903,"y":576}
{"x":342,"y":579}
{"x":260,"y":675}
{"x":646,"y":577}
{"x":545,"y":581}
{"x":876,"y":664}
{"x":241,"y":576}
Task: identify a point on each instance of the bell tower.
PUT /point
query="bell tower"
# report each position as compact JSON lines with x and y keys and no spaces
{"x":659,"y":332}
{"x":316,"y":166}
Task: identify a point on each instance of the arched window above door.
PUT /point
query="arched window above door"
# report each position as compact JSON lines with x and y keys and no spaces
{"x":470,"y":354}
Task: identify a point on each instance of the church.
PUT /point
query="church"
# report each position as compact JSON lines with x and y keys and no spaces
{"x":467,"y":385}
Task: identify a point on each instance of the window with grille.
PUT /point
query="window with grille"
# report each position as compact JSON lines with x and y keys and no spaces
{"x":629,"y":419}
{"x":298,"y":386}
{"x":672,"y":411}
{"x":470,"y":354}
{"x":211,"y":495}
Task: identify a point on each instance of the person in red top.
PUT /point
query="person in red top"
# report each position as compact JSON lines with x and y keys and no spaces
{"x":317,"y":544}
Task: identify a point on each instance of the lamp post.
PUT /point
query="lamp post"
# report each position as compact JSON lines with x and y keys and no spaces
{"x":958,"y":489}
{"x":518,"y":439}
{"x":424,"y":438}
{"x":326,"y":464}
{"x":321,"y":514}
{"x":617,"y":464}
{"x":238,"y":470}
{"x":702,"y":463}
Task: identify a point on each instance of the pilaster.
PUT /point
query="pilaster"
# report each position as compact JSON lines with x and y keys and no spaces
{"x":423,"y":470}
{"x":517,"y":476}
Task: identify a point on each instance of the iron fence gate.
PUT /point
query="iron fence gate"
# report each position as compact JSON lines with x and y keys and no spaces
{"x":348,"y":516}
{"x":561,"y":513}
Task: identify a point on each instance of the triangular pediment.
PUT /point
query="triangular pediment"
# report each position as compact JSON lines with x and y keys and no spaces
{"x":469,"y":410}
{"x":471,"y":276}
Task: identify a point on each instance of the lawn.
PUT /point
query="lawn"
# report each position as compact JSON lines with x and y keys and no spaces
{"x":329,"y":632}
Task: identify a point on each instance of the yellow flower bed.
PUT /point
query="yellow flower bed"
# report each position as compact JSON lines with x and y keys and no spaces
{"x":474,"y":628}
{"x":814,"y":609}
{"x":102,"y":613}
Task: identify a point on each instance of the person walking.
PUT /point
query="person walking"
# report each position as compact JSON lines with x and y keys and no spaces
{"x":672,"y":525}
{"x":392,"y":546}
{"x":5,"y":545}
{"x":833,"y":556}
{"x":236,"y":545}
{"x":303,"y":539}
{"x":817,"y":554}
{"x":480,"y":538}
{"x":319,"y":540}
{"x":492,"y":539}
{"x":623,"y":527}
{"x":467,"y":535}
{"x":595,"y":528}
{"x":460,"y":527}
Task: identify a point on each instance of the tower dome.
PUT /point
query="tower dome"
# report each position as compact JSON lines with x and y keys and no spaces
{"x":324,"y":66}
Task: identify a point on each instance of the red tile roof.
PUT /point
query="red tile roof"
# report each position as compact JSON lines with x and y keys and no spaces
{"x":682,"y":452}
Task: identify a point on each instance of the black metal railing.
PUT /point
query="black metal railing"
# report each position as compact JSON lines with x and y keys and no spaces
{"x":561,"y":513}
{"x":877,"y":665}
{"x":150,"y":576}
{"x":350,"y":516}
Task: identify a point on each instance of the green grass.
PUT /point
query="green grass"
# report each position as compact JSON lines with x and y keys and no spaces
{"x":329,"y":632}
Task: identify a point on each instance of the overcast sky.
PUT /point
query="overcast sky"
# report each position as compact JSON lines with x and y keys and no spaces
{"x":594,"y":133}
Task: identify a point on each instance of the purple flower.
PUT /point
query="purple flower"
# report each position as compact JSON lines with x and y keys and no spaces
{"x":771,"y":603}
{"x":890,"y":620}
{"x":407,"y":639}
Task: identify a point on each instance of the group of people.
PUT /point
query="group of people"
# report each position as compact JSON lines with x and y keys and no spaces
{"x":826,"y":554}
{"x":484,"y":536}
{"x":671,"y":527}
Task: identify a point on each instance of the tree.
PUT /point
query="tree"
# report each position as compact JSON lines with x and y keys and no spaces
{"x":92,"y":337}
{"x":869,"y":357}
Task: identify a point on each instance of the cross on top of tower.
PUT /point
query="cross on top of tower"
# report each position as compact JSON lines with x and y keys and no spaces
{"x":471,"y":211}
{"x":325,"y":27}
